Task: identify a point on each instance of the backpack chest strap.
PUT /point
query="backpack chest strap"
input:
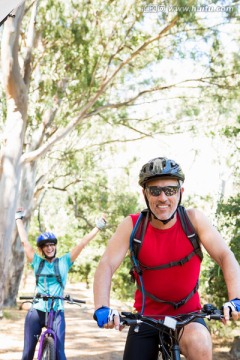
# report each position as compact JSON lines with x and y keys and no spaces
{"x":169,"y":265}
{"x":177,"y":304}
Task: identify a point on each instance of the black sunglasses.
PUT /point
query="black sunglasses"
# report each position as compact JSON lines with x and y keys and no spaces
{"x":49,"y":245}
{"x":168,"y":190}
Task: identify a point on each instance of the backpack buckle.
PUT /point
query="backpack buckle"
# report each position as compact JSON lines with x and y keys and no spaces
{"x":180,"y":303}
{"x":182,"y":262}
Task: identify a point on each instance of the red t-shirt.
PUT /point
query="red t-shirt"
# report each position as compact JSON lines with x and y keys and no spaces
{"x":171,"y":284}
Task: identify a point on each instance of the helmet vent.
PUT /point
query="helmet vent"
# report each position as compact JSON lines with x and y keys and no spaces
{"x":158,"y":166}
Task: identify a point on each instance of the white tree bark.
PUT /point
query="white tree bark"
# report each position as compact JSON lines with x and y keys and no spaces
{"x":11,"y":149}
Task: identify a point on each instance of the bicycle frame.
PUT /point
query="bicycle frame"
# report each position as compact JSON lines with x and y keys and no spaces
{"x":48,"y":332}
{"x":174,"y":346}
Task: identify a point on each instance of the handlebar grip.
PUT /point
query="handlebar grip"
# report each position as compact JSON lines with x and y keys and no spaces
{"x":79,"y":301}
{"x":26,"y":297}
{"x":128,"y":321}
{"x":216,"y":316}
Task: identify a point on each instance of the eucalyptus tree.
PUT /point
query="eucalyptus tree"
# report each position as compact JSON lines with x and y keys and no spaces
{"x":71,"y":70}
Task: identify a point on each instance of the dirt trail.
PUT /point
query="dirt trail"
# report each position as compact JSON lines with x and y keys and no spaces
{"x":84,"y":340}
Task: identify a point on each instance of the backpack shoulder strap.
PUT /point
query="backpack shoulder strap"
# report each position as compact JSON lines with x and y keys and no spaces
{"x":39,"y":270}
{"x":57,"y":272}
{"x":136,"y":239}
{"x":139,"y":231}
{"x":189,"y":230}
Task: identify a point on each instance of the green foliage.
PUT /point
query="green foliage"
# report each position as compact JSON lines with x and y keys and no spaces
{"x":117,"y":203}
{"x":80,"y":45}
{"x":229,"y":214}
{"x":78,"y":207}
{"x":81,"y":272}
{"x":212,"y":282}
{"x":232,"y":131}
{"x":229,"y":222}
{"x":122,"y":285}
{"x":205,"y":203}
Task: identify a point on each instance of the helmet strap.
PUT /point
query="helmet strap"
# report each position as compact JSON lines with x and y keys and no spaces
{"x":170,"y":218}
{"x":164,"y":221}
{"x":49,"y":257}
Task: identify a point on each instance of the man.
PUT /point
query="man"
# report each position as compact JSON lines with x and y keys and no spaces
{"x":50,"y":279}
{"x":170,"y":266}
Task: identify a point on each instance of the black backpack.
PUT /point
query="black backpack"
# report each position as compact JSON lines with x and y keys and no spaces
{"x":136,"y":240}
{"x":56,"y":272}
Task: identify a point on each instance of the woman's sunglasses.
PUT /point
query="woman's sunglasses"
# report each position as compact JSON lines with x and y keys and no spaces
{"x":49,"y":245}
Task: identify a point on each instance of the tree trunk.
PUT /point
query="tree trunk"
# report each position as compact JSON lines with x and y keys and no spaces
{"x":16,"y":264}
{"x":16,"y":258}
{"x":9,"y":184}
{"x":15,"y":125}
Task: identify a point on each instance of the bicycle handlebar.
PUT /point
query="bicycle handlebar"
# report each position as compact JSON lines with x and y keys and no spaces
{"x":26,"y":297}
{"x":45,"y":297}
{"x":172,"y":322}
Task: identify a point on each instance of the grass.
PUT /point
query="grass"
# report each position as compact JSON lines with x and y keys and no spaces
{"x":12,"y":314}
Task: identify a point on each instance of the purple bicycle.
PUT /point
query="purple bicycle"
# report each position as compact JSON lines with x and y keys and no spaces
{"x":48,"y":339}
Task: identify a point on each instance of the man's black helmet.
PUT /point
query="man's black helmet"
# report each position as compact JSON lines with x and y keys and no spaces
{"x":159,"y":167}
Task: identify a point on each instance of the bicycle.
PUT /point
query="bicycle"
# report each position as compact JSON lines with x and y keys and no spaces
{"x":169,"y":327}
{"x":48,"y":339}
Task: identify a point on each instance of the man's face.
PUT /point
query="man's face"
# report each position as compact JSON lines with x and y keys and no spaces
{"x":49,"y":249}
{"x":163,"y":202}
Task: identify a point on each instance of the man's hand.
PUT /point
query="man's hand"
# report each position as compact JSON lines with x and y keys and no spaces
{"x":107,"y":318}
{"x":232,"y":309}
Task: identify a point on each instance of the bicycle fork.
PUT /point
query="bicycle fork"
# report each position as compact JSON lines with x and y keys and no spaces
{"x":47,"y":332}
{"x":49,"y":320}
{"x":175,"y":348}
